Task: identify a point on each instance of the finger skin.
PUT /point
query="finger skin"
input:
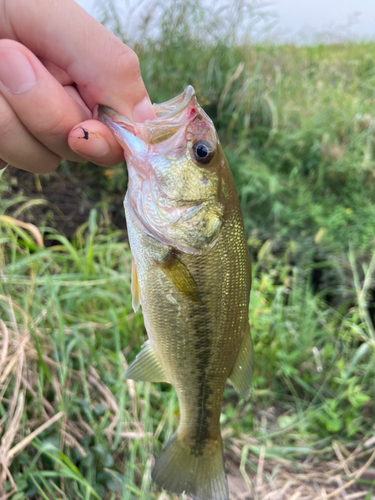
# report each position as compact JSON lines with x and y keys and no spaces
{"x":46,"y":109}
{"x":105,"y":69}
{"x":94,"y":141}
{"x":59,"y":74}
{"x":51,"y":112}
{"x":20,"y":148}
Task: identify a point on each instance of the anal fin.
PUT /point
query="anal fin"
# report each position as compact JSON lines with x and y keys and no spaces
{"x":242,"y":373}
{"x":146,"y":367}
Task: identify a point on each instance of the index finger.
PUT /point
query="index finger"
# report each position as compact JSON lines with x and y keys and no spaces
{"x":105,"y":69}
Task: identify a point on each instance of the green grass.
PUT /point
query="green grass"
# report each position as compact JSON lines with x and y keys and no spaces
{"x":69,"y":306}
{"x":70,"y":331}
{"x":297,"y":124}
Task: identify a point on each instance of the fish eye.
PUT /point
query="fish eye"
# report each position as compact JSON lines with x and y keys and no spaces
{"x":202,"y":151}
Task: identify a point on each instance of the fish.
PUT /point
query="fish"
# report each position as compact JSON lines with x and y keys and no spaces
{"x":191,"y":274}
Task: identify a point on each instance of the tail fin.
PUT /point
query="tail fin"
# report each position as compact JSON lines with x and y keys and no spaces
{"x":200,"y":474}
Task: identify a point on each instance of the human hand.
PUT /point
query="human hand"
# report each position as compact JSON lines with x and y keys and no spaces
{"x":56,"y":64}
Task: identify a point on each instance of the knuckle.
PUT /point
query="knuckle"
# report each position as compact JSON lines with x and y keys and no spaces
{"x":127,"y":63}
{"x":55,"y":129}
{"x":132,"y":59}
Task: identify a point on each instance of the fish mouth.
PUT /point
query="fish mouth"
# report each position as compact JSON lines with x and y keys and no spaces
{"x":174,"y":107}
{"x":170,"y":117}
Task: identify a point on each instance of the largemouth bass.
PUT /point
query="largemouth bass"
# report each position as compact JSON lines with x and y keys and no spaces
{"x":191,"y":275}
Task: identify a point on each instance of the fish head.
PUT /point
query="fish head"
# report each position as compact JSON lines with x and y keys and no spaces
{"x":175,"y":166}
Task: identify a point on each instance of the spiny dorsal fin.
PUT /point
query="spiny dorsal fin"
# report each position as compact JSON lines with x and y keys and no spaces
{"x":179,"y":275}
{"x":243,"y":369}
{"x":135,"y":288}
{"x":146,"y":366}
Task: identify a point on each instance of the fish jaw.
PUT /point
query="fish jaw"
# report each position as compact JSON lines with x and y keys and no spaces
{"x":171,"y":115}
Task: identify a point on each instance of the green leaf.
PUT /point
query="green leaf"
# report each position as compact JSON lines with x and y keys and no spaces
{"x":359,"y":399}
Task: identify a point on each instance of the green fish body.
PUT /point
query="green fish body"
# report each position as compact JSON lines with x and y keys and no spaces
{"x":191,"y":275}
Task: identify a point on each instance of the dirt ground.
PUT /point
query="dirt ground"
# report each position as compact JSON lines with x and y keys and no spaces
{"x":309,"y":480}
{"x":61,"y":201}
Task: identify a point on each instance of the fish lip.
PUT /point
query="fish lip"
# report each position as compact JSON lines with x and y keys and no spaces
{"x":173,"y":107}
{"x":170,"y":116}
{"x":164,"y":110}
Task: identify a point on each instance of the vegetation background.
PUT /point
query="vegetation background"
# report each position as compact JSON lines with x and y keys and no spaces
{"x":297,"y":125}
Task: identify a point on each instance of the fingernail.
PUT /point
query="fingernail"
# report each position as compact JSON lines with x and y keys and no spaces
{"x":92,"y":144}
{"x":16,"y":72}
{"x":143,"y":111}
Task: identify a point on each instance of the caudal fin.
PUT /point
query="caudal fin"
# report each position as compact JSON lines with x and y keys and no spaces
{"x":198,"y":473}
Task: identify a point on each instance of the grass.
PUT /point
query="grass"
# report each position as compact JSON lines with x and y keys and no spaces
{"x":297,"y":124}
{"x":66,"y":323}
{"x":72,"y":428}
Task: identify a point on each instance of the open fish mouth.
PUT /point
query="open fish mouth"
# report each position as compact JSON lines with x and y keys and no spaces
{"x":171,"y":116}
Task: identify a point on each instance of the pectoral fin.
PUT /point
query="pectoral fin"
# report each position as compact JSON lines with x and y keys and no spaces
{"x":135,"y":288}
{"x":146,"y":366}
{"x":242,"y":372}
{"x":179,"y":275}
